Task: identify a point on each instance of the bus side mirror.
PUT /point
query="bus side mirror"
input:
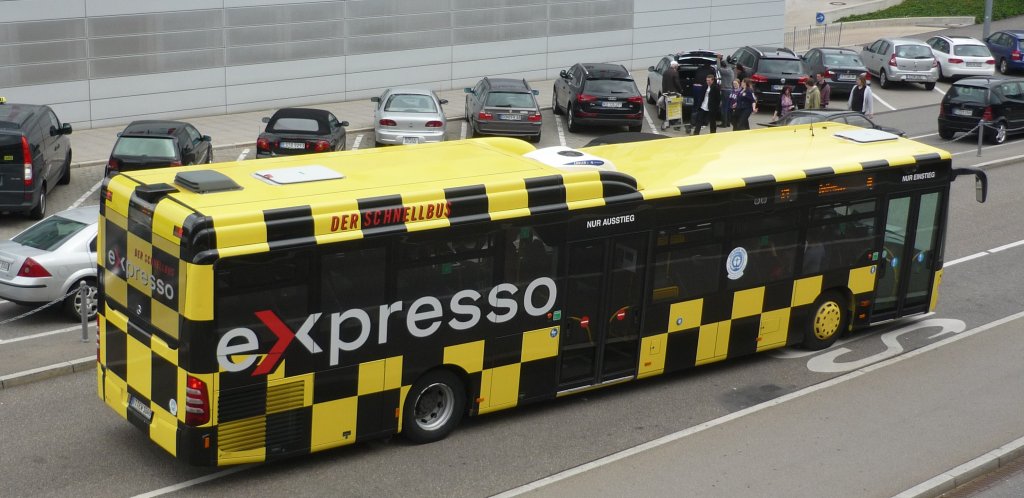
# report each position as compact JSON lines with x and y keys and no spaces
{"x":980,"y":181}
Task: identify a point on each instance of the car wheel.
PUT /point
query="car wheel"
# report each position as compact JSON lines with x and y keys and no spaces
{"x":883,"y":80}
{"x":941,"y":76}
{"x":65,"y":177}
{"x":996,"y":133}
{"x":554,"y":102}
{"x":434,"y":406}
{"x":39,"y":211}
{"x":946,"y":133}
{"x":209,"y":157}
{"x":535,"y":138}
{"x":929,"y":86}
{"x":73,"y":303}
{"x":1004,"y":67}
{"x":573,"y":126}
{"x":828,"y":319}
{"x":650,"y":96}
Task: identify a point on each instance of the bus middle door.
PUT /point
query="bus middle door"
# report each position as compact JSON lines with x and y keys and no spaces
{"x":906,"y":266}
{"x":604,"y":299}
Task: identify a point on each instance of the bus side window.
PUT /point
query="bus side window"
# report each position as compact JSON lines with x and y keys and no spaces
{"x":770,"y":257}
{"x":441,"y":267}
{"x":840,"y":236}
{"x":528,"y":256}
{"x":353,"y":279}
{"x":686,"y":265}
{"x":275,"y":281}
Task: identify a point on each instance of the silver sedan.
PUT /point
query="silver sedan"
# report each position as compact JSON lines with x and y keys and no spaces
{"x":45,"y":263}
{"x":408,"y":116}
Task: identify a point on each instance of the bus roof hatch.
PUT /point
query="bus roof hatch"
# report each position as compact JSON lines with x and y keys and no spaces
{"x":568,"y":159}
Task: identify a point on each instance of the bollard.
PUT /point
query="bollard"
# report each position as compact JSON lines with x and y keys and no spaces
{"x":981,"y":134}
{"x":83,"y":309}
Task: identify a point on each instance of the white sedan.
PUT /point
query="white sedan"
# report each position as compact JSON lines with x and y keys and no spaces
{"x":961,"y":56}
{"x":408,"y":116}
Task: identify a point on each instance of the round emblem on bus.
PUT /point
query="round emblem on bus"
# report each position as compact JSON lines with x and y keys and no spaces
{"x":736,"y":263}
{"x":173,"y":407}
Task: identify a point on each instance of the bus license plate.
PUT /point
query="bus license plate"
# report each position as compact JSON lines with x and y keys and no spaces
{"x":611,"y":104}
{"x":511,"y":117}
{"x":293,"y":145}
{"x":141,"y":408}
{"x":410,"y":140}
{"x":963,"y":112}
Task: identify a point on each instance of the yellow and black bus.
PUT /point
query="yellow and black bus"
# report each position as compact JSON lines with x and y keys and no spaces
{"x":256,"y":310}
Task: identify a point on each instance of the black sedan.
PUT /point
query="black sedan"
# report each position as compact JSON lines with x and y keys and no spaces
{"x":296,"y":130}
{"x":153,"y":144}
{"x":807,"y":116}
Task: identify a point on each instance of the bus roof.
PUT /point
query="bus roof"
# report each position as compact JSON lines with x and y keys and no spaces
{"x":491,"y":178}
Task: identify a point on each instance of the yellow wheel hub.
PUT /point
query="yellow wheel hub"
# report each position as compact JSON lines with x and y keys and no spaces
{"x":827,"y":320}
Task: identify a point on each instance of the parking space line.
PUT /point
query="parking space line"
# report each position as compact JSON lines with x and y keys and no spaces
{"x":880,"y":101}
{"x":462,"y":133}
{"x":561,"y":132}
{"x":923,"y":136}
{"x":241,"y":156}
{"x":42,"y":334}
{"x":937,"y":89}
{"x":650,"y":124}
{"x":85,"y":195}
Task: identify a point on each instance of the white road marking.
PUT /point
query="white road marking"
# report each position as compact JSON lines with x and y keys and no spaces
{"x":937,"y":89}
{"x":983,"y":148}
{"x":827,"y":362}
{"x":357,"y":141}
{"x":976,"y":255}
{"x":614,"y":457}
{"x":1007,"y":246}
{"x":1011,"y":158}
{"x":241,"y":156}
{"x":561,"y":132}
{"x":880,"y":101}
{"x":45,"y":334}
{"x":923,"y":136}
{"x":790,"y":353}
{"x":85,"y":195}
{"x":650,"y":124}
{"x":462,"y":132}
{"x":199,"y":480}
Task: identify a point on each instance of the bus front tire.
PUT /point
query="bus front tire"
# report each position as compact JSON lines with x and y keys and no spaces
{"x":433,"y":407}
{"x":829,"y":318}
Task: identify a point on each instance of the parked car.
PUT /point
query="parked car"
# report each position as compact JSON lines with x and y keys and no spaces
{"x":152,"y":144}
{"x":901,"y":60}
{"x":46,"y":262}
{"x":995,"y":99}
{"x":408,"y":116}
{"x":808,"y":116}
{"x":961,"y":56}
{"x":840,"y":66}
{"x":296,"y":130}
{"x":771,"y":69}
{"x":598,"y":94}
{"x":35,"y":156}
{"x":503,"y":106}
{"x":1007,"y":47}
{"x":693,"y":69}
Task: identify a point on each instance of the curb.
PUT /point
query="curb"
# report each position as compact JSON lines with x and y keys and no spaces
{"x":962,"y":474}
{"x":47,"y":372}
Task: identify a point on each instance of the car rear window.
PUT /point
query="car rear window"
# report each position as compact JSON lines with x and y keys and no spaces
{"x":509,"y":99}
{"x":612,"y":86}
{"x":780,"y":66}
{"x":965,"y":93}
{"x":49,"y":234}
{"x":295,"y":125}
{"x":410,"y":103}
{"x":158,"y":147}
{"x":10,"y":149}
{"x":971,"y":51}
{"x":843,"y":60}
{"x":797,"y":120}
{"x":913,"y":52}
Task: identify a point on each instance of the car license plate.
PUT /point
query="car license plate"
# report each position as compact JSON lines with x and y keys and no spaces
{"x":776,"y":87}
{"x":511,"y":117}
{"x":963,"y":112}
{"x":915,"y":77}
{"x":847,"y":77}
{"x":611,"y":104}
{"x":141,"y":408}
{"x":410,"y":140}
{"x":688,"y":100}
{"x":293,"y":145}
{"x":5,"y":265}
{"x":973,"y":64}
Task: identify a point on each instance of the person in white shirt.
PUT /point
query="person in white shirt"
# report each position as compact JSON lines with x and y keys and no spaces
{"x":706,"y":105}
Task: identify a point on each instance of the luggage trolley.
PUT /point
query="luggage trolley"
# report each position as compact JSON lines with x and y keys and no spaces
{"x":673,"y":110}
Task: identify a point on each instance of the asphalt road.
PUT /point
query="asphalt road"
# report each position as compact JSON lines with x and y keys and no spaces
{"x":57,"y":438}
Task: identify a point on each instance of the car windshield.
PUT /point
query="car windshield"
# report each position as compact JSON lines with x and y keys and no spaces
{"x":160,"y":147}
{"x":965,"y":93}
{"x":913,"y":52}
{"x":612,"y":86}
{"x":410,"y":103}
{"x":843,"y":60}
{"x":780,"y":66}
{"x":49,"y":234}
{"x":509,"y":99}
{"x":971,"y":51}
{"x":294,"y":125}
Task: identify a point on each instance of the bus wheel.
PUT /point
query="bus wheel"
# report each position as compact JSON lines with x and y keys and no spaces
{"x":828,"y":319}
{"x":433,"y":407}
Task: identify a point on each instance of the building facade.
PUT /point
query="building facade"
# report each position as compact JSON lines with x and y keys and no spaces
{"x":107,"y":62}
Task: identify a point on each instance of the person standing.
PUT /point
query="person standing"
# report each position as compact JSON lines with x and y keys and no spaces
{"x":861,"y":99}
{"x":826,"y":90}
{"x":706,"y":105}
{"x":812,"y":97}
{"x":741,"y":72}
{"x":746,"y":103}
{"x":785,"y":102}
{"x":670,"y":84}
{"x":730,"y":103}
{"x":727,"y":77}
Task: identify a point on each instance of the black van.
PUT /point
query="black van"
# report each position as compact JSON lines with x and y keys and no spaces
{"x":35,"y":155}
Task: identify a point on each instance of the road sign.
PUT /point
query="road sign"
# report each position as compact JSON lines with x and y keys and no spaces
{"x":819,"y":18}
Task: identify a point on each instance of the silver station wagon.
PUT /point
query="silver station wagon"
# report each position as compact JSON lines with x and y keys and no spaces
{"x":901,"y":60}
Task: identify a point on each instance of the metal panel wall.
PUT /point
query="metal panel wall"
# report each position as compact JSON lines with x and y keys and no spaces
{"x":106,"y":62}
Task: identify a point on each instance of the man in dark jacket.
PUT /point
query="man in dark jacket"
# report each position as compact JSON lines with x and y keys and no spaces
{"x":670,"y":84}
{"x":706,"y":104}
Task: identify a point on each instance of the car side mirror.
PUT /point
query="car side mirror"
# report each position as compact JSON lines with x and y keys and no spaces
{"x":650,"y":69}
{"x":207,"y":138}
{"x":375,"y":99}
{"x":265,"y":119}
{"x":467,"y":90}
{"x":730,"y":59}
{"x":66,"y":128}
{"x":344,"y":123}
{"x":563,"y":74}
{"x":443,"y":101}
{"x":865,"y":47}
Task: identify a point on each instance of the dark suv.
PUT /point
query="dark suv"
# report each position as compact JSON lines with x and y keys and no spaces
{"x":151,"y":144}
{"x":771,"y":69}
{"x":503,"y":106}
{"x":598,"y":94}
{"x":693,"y":70}
{"x":997,"y":100}
{"x":35,"y":156}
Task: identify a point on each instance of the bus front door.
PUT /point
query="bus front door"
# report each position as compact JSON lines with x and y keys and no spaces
{"x":905,"y":268}
{"x":604,"y":299}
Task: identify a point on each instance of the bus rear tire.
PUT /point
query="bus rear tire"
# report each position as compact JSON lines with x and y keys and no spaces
{"x":829,"y":318}
{"x":433,"y":407}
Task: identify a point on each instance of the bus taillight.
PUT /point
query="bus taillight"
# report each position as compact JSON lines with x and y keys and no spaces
{"x":197,"y":402}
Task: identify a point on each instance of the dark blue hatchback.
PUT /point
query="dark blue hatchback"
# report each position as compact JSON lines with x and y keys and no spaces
{"x":1007,"y":49}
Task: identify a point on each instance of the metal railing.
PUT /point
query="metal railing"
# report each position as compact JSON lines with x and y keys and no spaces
{"x":88,"y":302}
{"x":801,"y":38}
